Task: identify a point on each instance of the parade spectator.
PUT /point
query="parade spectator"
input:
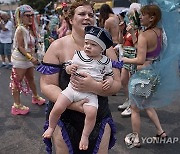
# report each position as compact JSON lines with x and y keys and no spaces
{"x":97,"y":40}
{"x":110,"y":22}
{"x":148,"y":51}
{"x":6,"y":34}
{"x":129,"y":50}
{"x":54,"y":79}
{"x":54,"y":22}
{"x":47,"y":37}
{"x":64,"y":28}
{"x":23,"y":60}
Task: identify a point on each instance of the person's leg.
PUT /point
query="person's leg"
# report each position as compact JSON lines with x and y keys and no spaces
{"x":90,"y":112}
{"x":2,"y":55}
{"x":7,"y":50}
{"x":103,"y":148}
{"x":20,"y":73}
{"x":154,"y":118}
{"x":60,"y":106}
{"x":17,"y":107}
{"x":36,"y":99}
{"x":61,"y":147}
{"x":58,"y":142}
{"x":124,"y":81}
{"x":30,"y":78}
{"x":136,"y":125}
{"x":135,"y":119}
{"x":3,"y":59}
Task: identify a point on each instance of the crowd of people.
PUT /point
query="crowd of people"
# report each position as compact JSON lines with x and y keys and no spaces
{"x":110,"y":51}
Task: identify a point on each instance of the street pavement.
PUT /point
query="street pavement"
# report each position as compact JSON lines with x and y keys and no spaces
{"x":23,"y":134}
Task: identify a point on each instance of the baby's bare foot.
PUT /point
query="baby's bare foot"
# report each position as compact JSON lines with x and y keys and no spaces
{"x":83,"y":145}
{"x":48,"y":133}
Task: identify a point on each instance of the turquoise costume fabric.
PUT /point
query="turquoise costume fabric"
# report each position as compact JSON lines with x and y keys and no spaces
{"x":168,"y":65}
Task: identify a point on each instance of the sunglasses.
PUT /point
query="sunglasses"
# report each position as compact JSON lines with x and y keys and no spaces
{"x":29,"y":15}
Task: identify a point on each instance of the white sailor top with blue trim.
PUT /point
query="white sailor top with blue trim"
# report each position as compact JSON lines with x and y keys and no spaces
{"x":98,"y":69}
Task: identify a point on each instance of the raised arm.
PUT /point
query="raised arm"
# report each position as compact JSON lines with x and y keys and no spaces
{"x":141,"y":52}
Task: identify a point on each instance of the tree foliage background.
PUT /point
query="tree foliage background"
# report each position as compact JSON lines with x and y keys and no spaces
{"x":38,"y":5}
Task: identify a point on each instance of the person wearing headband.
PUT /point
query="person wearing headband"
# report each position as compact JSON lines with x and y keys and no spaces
{"x":23,"y":60}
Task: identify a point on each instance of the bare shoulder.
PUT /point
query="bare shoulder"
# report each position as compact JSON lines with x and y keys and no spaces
{"x":153,"y":32}
{"x":55,"y":52}
{"x":142,"y":38}
{"x":112,"y":19}
{"x":19,"y":31}
{"x":143,"y":34}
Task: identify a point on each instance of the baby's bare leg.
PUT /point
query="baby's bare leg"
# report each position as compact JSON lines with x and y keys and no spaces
{"x":59,"y":107}
{"x":90,"y":120}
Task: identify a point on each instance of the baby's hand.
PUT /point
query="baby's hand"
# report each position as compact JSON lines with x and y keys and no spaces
{"x":71,"y":69}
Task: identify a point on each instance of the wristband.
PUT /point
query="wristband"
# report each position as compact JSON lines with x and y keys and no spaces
{"x":28,"y":56}
{"x":117,"y":64}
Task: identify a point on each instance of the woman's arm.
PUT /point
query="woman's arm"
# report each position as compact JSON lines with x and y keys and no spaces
{"x":50,"y":83}
{"x":21,"y":47}
{"x":141,"y":52}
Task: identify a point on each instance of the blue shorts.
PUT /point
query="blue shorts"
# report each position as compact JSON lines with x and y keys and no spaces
{"x":5,"y":49}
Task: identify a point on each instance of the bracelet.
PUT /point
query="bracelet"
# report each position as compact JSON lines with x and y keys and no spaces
{"x":28,"y":56}
{"x":117,"y":64}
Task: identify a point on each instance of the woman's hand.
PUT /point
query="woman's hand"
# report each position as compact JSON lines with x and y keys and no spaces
{"x":84,"y":84}
{"x":107,"y":83}
{"x":78,"y":106}
{"x":34,"y":61}
{"x":125,"y":60}
{"x":130,"y":28}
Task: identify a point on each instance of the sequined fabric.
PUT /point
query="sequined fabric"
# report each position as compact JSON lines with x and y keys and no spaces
{"x":167,"y":91}
{"x":144,"y":83}
{"x":22,"y":86}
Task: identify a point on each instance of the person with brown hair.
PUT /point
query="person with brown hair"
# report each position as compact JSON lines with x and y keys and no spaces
{"x":54,"y":79}
{"x":149,"y":47}
{"x":110,"y":21}
{"x":129,"y":50}
{"x":93,"y":62}
{"x":23,"y":60}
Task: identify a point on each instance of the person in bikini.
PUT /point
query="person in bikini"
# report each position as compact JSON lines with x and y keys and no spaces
{"x":149,"y":47}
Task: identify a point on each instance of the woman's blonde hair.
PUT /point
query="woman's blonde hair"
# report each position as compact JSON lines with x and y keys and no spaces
{"x":20,"y":12}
